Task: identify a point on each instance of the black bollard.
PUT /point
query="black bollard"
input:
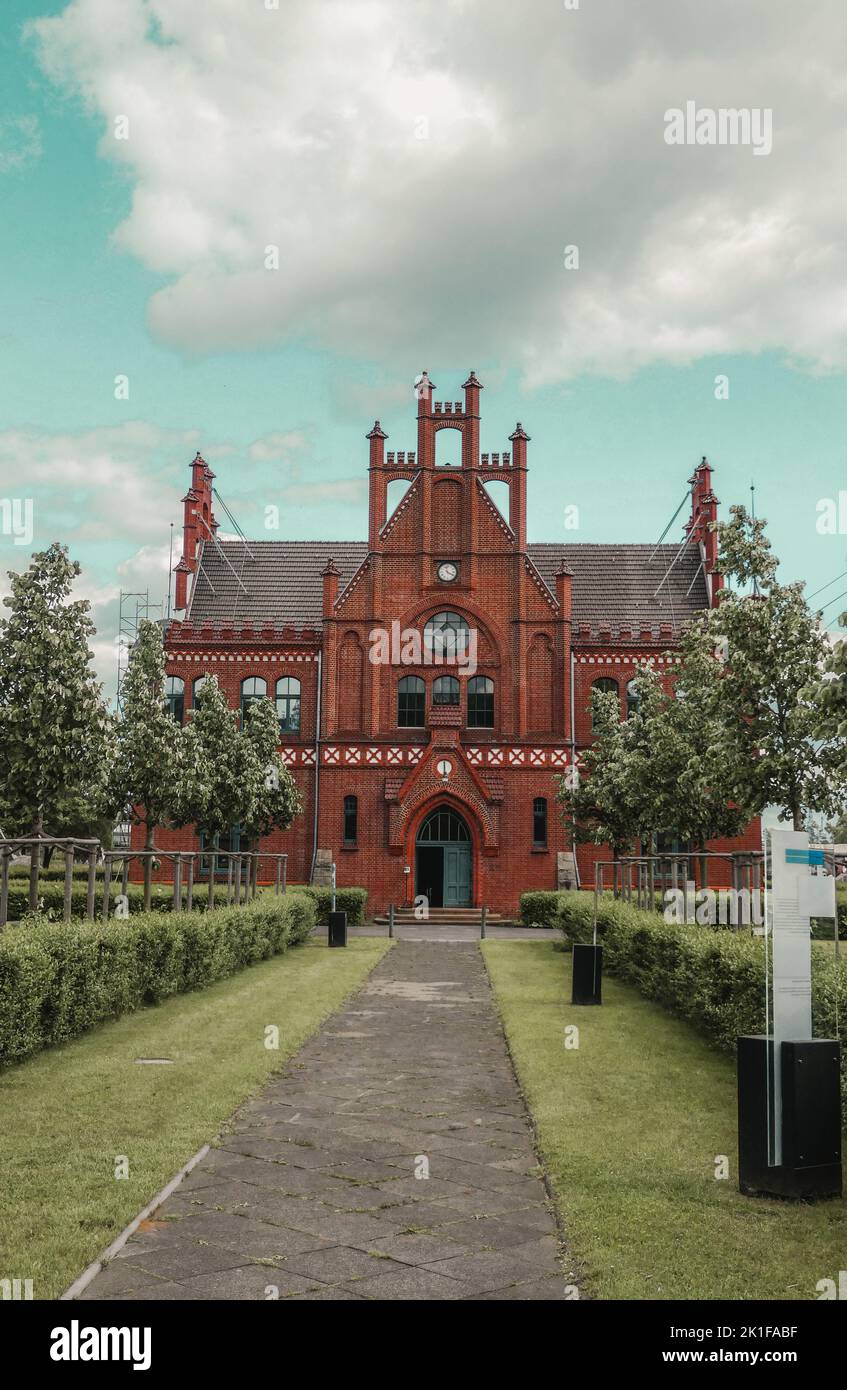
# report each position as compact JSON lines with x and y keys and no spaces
{"x":587,"y":974}
{"x":338,"y":929}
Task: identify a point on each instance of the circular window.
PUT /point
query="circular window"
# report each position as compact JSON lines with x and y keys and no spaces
{"x":447,"y":636}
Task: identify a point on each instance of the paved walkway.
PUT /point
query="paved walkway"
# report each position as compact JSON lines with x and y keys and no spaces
{"x":318,"y":1190}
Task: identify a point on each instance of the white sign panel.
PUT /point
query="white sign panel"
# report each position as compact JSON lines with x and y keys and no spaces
{"x":799,"y":891}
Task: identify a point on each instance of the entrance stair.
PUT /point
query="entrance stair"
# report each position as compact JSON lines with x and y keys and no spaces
{"x":442,"y":917}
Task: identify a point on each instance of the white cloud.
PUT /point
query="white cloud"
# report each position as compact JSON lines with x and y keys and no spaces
{"x":298,"y":128}
{"x":20,"y":143}
{"x":277,"y":446}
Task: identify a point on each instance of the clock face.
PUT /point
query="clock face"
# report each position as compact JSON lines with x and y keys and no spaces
{"x":448,"y":571}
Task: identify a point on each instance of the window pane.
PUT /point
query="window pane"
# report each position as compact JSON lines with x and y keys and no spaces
{"x":288,"y":704}
{"x":175,"y":697}
{"x":606,"y":686}
{"x":481,"y":702}
{"x":447,"y":636}
{"x":351,"y":816}
{"x":445,"y":691}
{"x":411,"y":702}
{"x":539,"y":820}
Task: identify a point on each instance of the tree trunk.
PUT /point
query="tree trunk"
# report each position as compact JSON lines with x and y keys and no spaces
{"x":148,"y":865}
{"x":35,"y":864}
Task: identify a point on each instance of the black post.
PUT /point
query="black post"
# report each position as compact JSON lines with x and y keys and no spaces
{"x":337,"y":929}
{"x":587,"y":974}
{"x":482,"y":918}
{"x":391,"y":921}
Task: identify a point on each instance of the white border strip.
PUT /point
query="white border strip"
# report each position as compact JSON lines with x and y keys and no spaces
{"x":111,"y":1251}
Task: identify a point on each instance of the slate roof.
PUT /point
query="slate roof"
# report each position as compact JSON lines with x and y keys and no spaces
{"x":617,"y":583}
{"x":613,"y":584}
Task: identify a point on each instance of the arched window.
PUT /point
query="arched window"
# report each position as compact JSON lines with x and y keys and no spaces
{"x":288,"y":705}
{"x":632,"y":699}
{"x":445,"y":691}
{"x":606,"y":686}
{"x":539,"y":822}
{"x":351,"y":819}
{"x":447,"y":637}
{"x":252,"y":688}
{"x":175,"y":697}
{"x":411,"y":702}
{"x":196,"y":686}
{"x":480,"y":702}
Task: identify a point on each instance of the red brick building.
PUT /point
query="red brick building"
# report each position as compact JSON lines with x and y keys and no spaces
{"x":433,"y":681}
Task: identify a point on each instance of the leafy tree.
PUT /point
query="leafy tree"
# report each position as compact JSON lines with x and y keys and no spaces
{"x":276,"y":801}
{"x":55,"y":730}
{"x":603,"y":799}
{"x":751,"y":667}
{"x":225,"y":771}
{"x":152,"y":777}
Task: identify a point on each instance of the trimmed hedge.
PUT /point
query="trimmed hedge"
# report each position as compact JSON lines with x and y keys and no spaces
{"x":51,"y":898}
{"x":712,"y":979}
{"x":58,"y":980}
{"x":350,"y":900}
{"x":540,"y":909}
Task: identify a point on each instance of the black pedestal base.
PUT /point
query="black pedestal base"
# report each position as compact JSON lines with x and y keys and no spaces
{"x":338,"y":929}
{"x":587,"y":975}
{"x":811,"y":1118}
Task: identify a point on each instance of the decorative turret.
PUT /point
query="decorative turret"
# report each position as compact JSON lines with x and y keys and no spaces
{"x":198,"y":525}
{"x":700,"y":525}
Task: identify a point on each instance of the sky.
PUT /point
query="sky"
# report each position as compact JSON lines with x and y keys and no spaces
{"x":244,"y":227}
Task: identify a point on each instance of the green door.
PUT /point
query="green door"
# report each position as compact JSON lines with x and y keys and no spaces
{"x":457,"y":875}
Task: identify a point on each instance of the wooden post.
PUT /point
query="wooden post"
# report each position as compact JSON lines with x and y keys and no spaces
{"x":238,"y":879}
{"x":213,"y":855}
{"x":5,"y":856}
{"x":284,"y":872}
{"x":69,"y":884}
{"x":278,"y":875}
{"x":107,"y":874}
{"x":125,"y":873}
{"x":189,"y":886}
{"x":229,"y":880}
{"x":177,"y":903}
{"x":92,"y":883}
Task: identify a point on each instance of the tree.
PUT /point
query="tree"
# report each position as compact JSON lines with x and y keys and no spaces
{"x":151,"y":775}
{"x":225,"y":771}
{"x":276,"y":801}
{"x":55,"y":730}
{"x":751,"y":667}
{"x":603,"y":799}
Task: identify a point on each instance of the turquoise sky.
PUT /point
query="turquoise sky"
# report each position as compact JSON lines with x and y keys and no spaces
{"x":75,"y":314}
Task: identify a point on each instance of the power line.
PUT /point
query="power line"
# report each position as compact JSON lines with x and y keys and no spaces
{"x":828,"y":586}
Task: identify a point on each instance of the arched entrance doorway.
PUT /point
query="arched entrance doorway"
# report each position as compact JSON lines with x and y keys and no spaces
{"x":443,"y":859}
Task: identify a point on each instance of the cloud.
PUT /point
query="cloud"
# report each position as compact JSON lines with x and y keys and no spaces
{"x":277,"y":446}
{"x":20,"y":143}
{"x":421,"y":171}
{"x":98,"y":485}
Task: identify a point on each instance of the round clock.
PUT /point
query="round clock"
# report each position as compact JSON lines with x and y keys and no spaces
{"x":448,"y":571}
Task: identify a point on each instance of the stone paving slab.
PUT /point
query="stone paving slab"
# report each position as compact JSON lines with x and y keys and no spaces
{"x":391,"y":1159}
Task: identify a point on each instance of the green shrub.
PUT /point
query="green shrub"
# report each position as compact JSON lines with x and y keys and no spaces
{"x":714,"y":980}
{"x":350,"y":900}
{"x":57,"y":980}
{"x":51,"y":898}
{"x":540,"y":909}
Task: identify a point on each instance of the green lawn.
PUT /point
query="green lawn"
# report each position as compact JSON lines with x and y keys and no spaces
{"x":629,"y":1127}
{"x":68,"y":1112}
